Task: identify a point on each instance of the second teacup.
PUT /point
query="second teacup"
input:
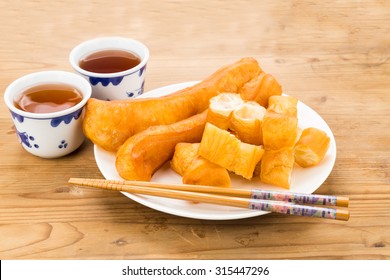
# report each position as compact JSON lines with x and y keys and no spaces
{"x":114,"y":66}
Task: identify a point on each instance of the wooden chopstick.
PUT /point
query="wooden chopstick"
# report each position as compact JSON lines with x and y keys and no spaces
{"x":169,"y":191}
{"x":298,"y":198}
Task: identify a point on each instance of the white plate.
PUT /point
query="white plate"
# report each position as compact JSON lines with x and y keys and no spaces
{"x":303,"y":180}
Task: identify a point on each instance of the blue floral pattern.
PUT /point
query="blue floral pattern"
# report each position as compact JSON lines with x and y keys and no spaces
{"x":17,"y":117}
{"x":142,"y":70}
{"x":55,"y":121}
{"x":105,"y":81}
{"x":136,"y":92}
{"x":25,"y":139}
{"x":66,"y":119}
{"x":63,"y":144}
{"x":28,"y":140}
{"x":114,"y":80}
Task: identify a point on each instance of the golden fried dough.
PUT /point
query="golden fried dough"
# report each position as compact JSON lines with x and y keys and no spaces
{"x":143,"y":153}
{"x":221,"y":108}
{"x":283,"y":105}
{"x":222,"y":148}
{"x":246,"y":122}
{"x":277,"y":166}
{"x":279,"y":131}
{"x":311,"y":147}
{"x":260,"y":88}
{"x":184,"y":154}
{"x":203,"y":172}
{"x":109,"y":124}
{"x":197,"y":170}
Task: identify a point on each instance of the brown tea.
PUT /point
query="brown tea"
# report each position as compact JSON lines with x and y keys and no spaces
{"x":48,"y":98}
{"x":109,"y":61}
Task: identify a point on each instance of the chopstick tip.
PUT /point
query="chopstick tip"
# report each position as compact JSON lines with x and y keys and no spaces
{"x":342,"y":214}
{"x":342,"y":201}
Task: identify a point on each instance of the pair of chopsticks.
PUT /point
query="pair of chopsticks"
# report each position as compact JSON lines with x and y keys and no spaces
{"x":309,"y":205}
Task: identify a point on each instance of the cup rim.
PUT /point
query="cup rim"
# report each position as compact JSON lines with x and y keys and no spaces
{"x":74,"y":59}
{"x":78,"y":82}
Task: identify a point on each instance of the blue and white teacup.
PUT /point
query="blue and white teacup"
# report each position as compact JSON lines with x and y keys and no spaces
{"x":48,"y":135}
{"x":112,"y":86}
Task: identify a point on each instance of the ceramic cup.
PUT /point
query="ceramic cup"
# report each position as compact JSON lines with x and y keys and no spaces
{"x":112,"y":86}
{"x":48,"y":135}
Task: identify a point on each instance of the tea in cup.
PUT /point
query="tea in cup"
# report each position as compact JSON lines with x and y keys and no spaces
{"x":114,"y":66}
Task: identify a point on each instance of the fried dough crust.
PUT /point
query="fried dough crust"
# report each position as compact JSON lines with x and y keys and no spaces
{"x":143,"y":153}
{"x":109,"y":124}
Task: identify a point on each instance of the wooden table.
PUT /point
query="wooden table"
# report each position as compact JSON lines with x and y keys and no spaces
{"x":334,"y":56}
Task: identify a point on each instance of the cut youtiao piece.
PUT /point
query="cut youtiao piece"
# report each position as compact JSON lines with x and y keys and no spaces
{"x":197,"y":170}
{"x":221,"y":108}
{"x":311,"y":147}
{"x":183,"y":156}
{"x":283,"y":104}
{"x":260,"y":88}
{"x":143,"y":153}
{"x":109,"y":124}
{"x":224,"y":149}
{"x":279,"y":131}
{"x":246,"y":122}
{"x":277,"y":166}
{"x":203,"y":172}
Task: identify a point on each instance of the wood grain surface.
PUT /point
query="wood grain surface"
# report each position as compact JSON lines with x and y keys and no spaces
{"x":332,"y":55}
